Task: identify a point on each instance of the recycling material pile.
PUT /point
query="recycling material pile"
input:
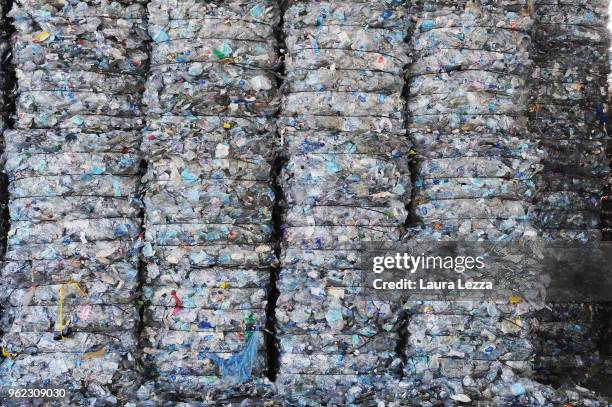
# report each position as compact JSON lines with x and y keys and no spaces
{"x":568,"y":116}
{"x":468,"y":96}
{"x":345,"y":181}
{"x":210,"y":143}
{"x":5,"y":54}
{"x":71,"y":271}
{"x":475,"y":165}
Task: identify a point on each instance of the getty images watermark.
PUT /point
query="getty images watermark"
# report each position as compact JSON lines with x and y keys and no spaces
{"x":550,"y":271}
{"x":421,"y":264}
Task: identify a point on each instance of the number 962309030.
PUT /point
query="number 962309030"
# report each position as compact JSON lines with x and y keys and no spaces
{"x":36,"y":393}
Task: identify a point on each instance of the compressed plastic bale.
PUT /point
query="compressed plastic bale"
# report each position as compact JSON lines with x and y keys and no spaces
{"x":504,"y":40}
{"x":481,"y":167}
{"x":470,"y":104}
{"x":341,"y":80}
{"x":324,"y":277}
{"x":209,"y":196}
{"x":212,"y":350}
{"x":189,"y":169}
{"x":476,"y":168}
{"x":97,"y":318}
{"x":565,"y":91}
{"x":346,"y":181}
{"x":338,"y":123}
{"x":85,"y":292}
{"x":72,"y":265}
{"x":70,"y":79}
{"x":24,"y":232}
{"x":211,"y":201}
{"x":338,"y":344}
{"x":458,"y":102}
{"x":472,"y":188}
{"x":487,"y":208}
{"x":170,"y":94}
{"x":394,"y":214}
{"x":61,"y":372}
{"x":475,"y":229}
{"x":204,"y":320}
{"x":87,"y":361}
{"x":453,"y":121}
{"x":33,"y":165}
{"x":386,"y":40}
{"x":431,"y":146}
{"x":207,"y":50}
{"x":204,"y":256}
{"x":262,"y":12}
{"x":82,"y":83}
{"x":167,"y":28}
{"x":44,"y":208}
{"x":569,"y":113}
{"x":187,"y":385}
{"x":209,"y":278}
{"x":376,"y":14}
{"x":452,"y":60}
{"x":466,"y":81}
{"x":314,"y":363}
{"x":337,"y":237}
{"x":201,"y":234}
{"x":41,"y":35}
{"x":343,"y":104}
{"x":298,"y":258}
{"x":173,"y":95}
{"x":344,"y":60}
{"x":25,"y":274}
{"x":573,"y":62}
{"x":50,"y":9}
{"x":466,"y":347}
{"x":78,"y":342}
{"x":362,"y":180}
{"x":52,"y":141}
{"x":56,"y":106}
{"x":343,"y":389}
{"x":216,"y":136}
{"x":356,"y":312}
{"x":170,"y":364}
{"x":214,"y":298}
{"x":339,"y":142}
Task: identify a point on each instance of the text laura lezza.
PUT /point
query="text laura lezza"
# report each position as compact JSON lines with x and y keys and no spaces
{"x":423,"y":284}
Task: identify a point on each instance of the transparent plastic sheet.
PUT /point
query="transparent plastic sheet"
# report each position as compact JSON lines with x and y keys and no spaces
{"x":209,"y":196}
{"x":345,"y":181}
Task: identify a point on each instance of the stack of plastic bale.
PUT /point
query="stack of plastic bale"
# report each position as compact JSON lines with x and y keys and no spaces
{"x":5,"y":84}
{"x":345,"y":181}
{"x":473,"y":180}
{"x":606,"y":213}
{"x":568,"y":115}
{"x":210,"y":142}
{"x":71,"y":271}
